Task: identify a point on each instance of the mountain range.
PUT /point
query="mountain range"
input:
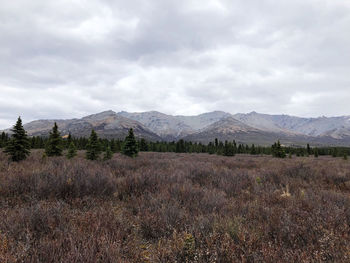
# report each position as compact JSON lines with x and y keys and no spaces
{"x":261,"y":129}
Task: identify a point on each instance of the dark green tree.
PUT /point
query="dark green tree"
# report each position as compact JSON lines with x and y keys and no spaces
{"x":180,"y":146}
{"x":335,"y":152}
{"x":228,"y":149}
{"x":72,"y":151}
{"x":108,"y":154}
{"x":143,"y":145}
{"x":316,"y":153}
{"x":277,"y":150}
{"x":253,"y":150}
{"x":3,"y":139}
{"x":345,"y":155}
{"x":54,"y":145}
{"x":93,"y":147}
{"x":69,"y":140}
{"x":308,"y":149}
{"x":130,"y":147}
{"x":19,"y":145}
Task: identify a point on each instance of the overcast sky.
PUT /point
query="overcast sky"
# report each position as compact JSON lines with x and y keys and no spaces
{"x":64,"y":59}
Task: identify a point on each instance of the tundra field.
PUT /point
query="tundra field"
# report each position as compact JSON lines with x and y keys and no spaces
{"x":168,"y":207}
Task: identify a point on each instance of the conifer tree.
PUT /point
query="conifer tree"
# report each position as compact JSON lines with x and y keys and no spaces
{"x":143,"y":145}
{"x":345,"y":155}
{"x":93,"y":148}
{"x":228,"y":149}
{"x":253,"y":150}
{"x":19,"y":145}
{"x":308,"y":149}
{"x":335,"y":152}
{"x":316,"y":153}
{"x":108,"y":154}
{"x":54,"y":145}
{"x":2,"y":139}
{"x":69,"y":140}
{"x":72,"y":151}
{"x":130,"y":145}
{"x":277,"y":150}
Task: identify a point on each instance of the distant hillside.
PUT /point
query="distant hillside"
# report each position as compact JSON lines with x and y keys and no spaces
{"x":174,"y":127}
{"x":107,"y":125}
{"x":249,"y":128}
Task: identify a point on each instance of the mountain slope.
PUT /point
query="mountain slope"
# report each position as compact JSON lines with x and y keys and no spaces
{"x":334,"y":127}
{"x":107,"y":125}
{"x":174,"y":127}
{"x":232,"y":129}
{"x":253,"y":127}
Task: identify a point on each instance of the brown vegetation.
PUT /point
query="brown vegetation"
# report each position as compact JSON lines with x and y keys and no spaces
{"x":175,"y":208}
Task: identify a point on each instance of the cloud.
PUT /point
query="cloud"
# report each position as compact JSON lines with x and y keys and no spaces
{"x":63,"y":59}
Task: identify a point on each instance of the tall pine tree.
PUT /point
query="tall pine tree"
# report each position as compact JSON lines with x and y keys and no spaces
{"x":278,"y":151}
{"x":130,"y":145}
{"x":19,"y":145}
{"x":108,"y":154}
{"x":72,"y":151}
{"x":54,"y":145}
{"x":93,"y":148}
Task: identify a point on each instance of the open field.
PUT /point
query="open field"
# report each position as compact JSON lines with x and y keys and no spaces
{"x":175,"y":208}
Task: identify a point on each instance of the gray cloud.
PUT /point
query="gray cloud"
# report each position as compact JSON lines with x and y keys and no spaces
{"x":63,"y":59}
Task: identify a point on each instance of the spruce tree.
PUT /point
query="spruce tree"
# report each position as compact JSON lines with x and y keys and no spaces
{"x":228,"y":149}
{"x":253,"y":150}
{"x":130,"y":145}
{"x":308,"y":149}
{"x":345,"y":155}
{"x":108,"y":154}
{"x":3,"y":139}
{"x":54,"y":145}
{"x":18,"y":146}
{"x":69,"y":140}
{"x":93,"y":148}
{"x":316,"y":153}
{"x":278,"y":151}
{"x":143,"y":145}
{"x":72,"y":151}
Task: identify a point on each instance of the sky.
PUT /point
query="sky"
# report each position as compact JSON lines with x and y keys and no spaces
{"x":71,"y":58}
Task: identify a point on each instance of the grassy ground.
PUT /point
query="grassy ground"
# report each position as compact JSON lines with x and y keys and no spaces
{"x":175,"y":208}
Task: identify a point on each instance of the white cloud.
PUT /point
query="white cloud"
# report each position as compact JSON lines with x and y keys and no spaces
{"x":62,"y":59}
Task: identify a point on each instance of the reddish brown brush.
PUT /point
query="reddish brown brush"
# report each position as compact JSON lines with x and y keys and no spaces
{"x":175,"y":208}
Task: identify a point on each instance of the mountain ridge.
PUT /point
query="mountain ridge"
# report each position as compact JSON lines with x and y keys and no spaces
{"x":250,"y":127}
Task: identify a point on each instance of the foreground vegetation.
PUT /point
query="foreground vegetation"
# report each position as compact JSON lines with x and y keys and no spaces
{"x":168,"y":207}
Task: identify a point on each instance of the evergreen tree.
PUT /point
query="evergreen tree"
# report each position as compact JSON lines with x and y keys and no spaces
{"x":211,"y":148}
{"x":3,"y":139}
{"x":316,"y":153}
{"x":216,"y":143}
{"x":72,"y":151}
{"x":69,"y":140}
{"x":308,"y":149}
{"x":108,"y":154}
{"x":143,"y":145}
{"x":93,"y":147}
{"x":130,"y":145}
{"x":335,"y":152}
{"x":54,"y":144}
{"x":180,"y":146}
{"x":278,"y":151}
{"x":113,"y":146}
{"x":253,"y":150}
{"x":228,"y":149}
{"x":345,"y":155}
{"x":18,"y":147}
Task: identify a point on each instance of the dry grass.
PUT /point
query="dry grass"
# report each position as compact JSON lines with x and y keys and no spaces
{"x":175,"y":208}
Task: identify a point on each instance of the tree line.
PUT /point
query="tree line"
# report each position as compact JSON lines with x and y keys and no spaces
{"x":18,"y":146}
